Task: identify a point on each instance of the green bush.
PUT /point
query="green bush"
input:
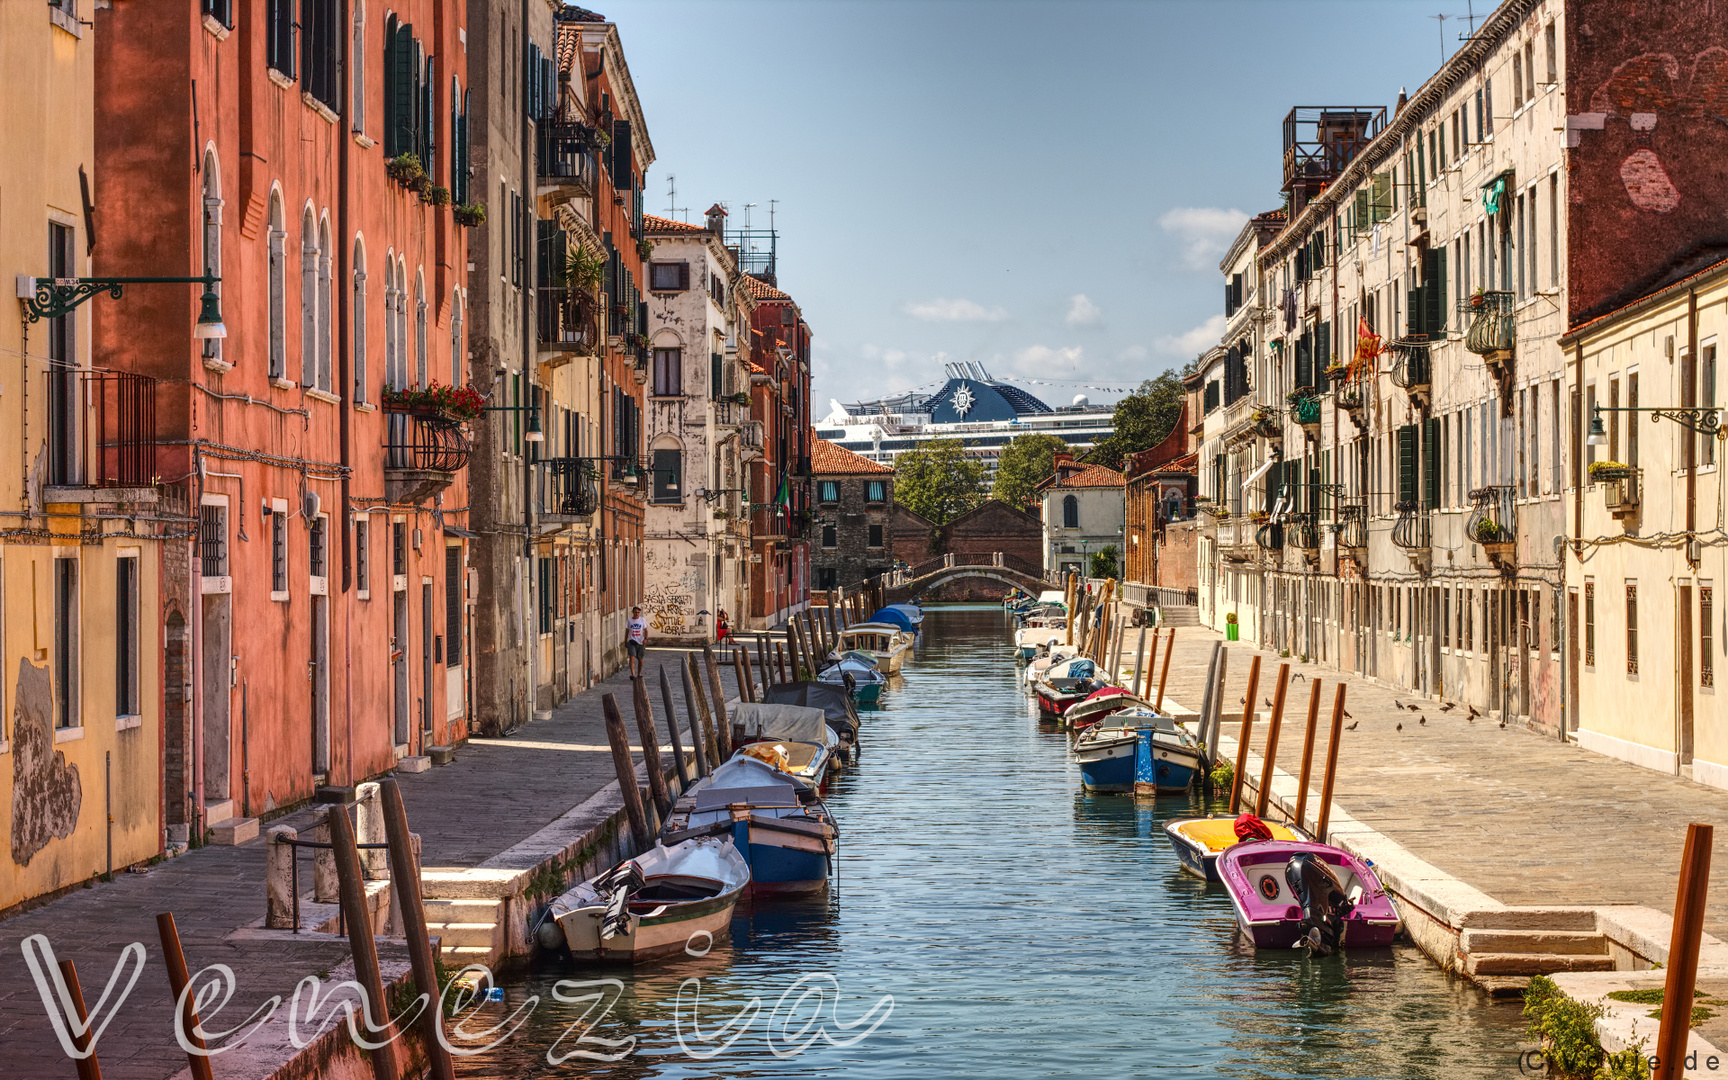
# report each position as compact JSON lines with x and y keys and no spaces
{"x":1222,"y":774}
{"x":1566,"y":1029}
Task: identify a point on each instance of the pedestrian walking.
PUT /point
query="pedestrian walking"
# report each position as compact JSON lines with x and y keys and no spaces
{"x":636,"y":640}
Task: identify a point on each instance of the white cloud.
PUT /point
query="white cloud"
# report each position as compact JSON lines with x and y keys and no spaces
{"x":1205,"y":232}
{"x":1083,"y":312}
{"x":1195,"y":341}
{"x":1042,"y":361}
{"x":1132,"y":354}
{"x":940,"y":310}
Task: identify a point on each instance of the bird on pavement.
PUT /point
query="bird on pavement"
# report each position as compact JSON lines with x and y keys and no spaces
{"x":1298,"y":675}
{"x":1449,"y":706}
{"x":1242,"y":701}
{"x":1422,"y":720}
{"x":1268,"y":702}
{"x":1396,"y":704}
{"x":1347,"y":716}
{"x":1400,"y":726}
{"x":1473,"y":711}
{"x":1502,"y":725}
{"x":1352,"y":727}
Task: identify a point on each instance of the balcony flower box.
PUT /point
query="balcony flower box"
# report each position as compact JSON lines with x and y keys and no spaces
{"x":435,"y":400}
{"x":470,"y":215}
{"x":1604,"y":471}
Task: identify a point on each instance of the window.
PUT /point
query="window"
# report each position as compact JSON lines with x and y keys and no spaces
{"x":875,"y":539}
{"x":326,"y":257}
{"x":65,"y":432}
{"x":212,"y":347}
{"x":1553,"y":55}
{"x":1631,"y":418}
{"x":1517,"y":80}
{"x":1070,"y":512}
{"x":828,"y":491}
{"x":667,"y":466}
{"x":404,"y":100}
{"x":1589,"y":623}
{"x":279,"y":553}
{"x":66,"y":642}
{"x":1467,"y":617}
{"x":1530,"y":70}
{"x":1706,"y":634}
{"x":420,"y":328}
{"x":668,"y":276}
{"x":127,"y":700}
{"x":316,"y":560}
{"x":830,"y":536}
{"x":1707,"y":398}
{"x":876,"y":492}
{"x":213,"y":540}
{"x":359,"y":317}
{"x":1631,"y":628}
{"x":363,"y":554}
{"x":548,"y":602}
{"x":280,"y":39}
{"x":458,"y":341}
{"x":357,"y":69}
{"x":453,"y":606}
{"x":398,"y":548}
{"x":321,"y":52}
{"x":1445,"y":618}
{"x":668,"y":372}
{"x":220,"y":10}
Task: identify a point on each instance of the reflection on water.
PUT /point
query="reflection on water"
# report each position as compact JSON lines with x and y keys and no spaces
{"x":1022,"y":929}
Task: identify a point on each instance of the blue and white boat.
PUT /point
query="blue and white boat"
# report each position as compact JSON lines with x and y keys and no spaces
{"x":911,"y":611}
{"x":1107,"y":752}
{"x":866,"y":683}
{"x":775,"y":820}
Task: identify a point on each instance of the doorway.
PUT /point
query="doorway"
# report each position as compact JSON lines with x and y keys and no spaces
{"x":399,"y":665}
{"x":216,"y":664}
{"x":426,"y":663}
{"x":320,"y":676}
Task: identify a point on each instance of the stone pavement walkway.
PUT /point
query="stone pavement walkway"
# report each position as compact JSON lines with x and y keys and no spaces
{"x":496,"y":793}
{"x":1524,"y":817}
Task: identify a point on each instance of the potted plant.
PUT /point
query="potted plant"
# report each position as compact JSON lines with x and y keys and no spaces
{"x":1336,"y":371}
{"x":1601,"y":471}
{"x":436,"y":195}
{"x":461,"y":404}
{"x":583,"y":268}
{"x":742,"y":397}
{"x":406,"y":169}
{"x":645,"y":248}
{"x":470,"y":215}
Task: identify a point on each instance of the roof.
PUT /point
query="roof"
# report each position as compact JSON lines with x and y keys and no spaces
{"x":1641,"y":303}
{"x":660,"y":224}
{"x":1085,"y":476}
{"x":761,"y":290}
{"x":829,"y":459}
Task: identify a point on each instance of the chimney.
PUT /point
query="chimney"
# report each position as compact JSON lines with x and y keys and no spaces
{"x":716,"y":219}
{"x":1403,"y":100}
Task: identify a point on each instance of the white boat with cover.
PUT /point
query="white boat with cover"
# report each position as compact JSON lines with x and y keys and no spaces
{"x":887,"y":644}
{"x":651,"y":906}
{"x":795,"y":739}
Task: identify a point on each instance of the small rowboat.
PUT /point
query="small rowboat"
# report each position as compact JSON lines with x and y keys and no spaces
{"x":795,"y":739}
{"x":865,"y":684}
{"x":1099,"y":705}
{"x":651,"y":906}
{"x":885,"y":645}
{"x":1199,"y":841}
{"x":1066,"y":682}
{"x":1107,"y":753}
{"x":775,"y":820}
{"x":1289,"y":894}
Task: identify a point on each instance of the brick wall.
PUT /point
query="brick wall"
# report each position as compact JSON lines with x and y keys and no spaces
{"x":852,"y":558}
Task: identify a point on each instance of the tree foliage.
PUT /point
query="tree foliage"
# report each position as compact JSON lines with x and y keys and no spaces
{"x":938,"y":481}
{"x":1104,"y":562}
{"x":1143,"y":419}
{"x":1025,"y":462}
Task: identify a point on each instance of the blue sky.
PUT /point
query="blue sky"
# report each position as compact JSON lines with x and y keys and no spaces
{"x":1042,"y":187}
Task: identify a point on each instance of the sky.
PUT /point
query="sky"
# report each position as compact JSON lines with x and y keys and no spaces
{"x":1045,"y":188}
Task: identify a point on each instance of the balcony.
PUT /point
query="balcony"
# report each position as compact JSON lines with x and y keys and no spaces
{"x":1352,"y":527}
{"x":1410,"y":364}
{"x":729,"y":414}
{"x":101,"y":437}
{"x":1301,"y":531}
{"x":567,"y":325}
{"x":1493,"y":523}
{"x":1351,"y":393}
{"x":423,"y":452}
{"x":1305,"y":408}
{"x":1620,"y":487}
{"x":570,"y":491}
{"x":1492,"y":324}
{"x":1270,"y":536}
{"x":1413,"y":531}
{"x":565,"y":152}
{"x":750,"y":440}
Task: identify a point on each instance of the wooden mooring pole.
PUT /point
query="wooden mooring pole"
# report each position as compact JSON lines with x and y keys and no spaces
{"x":1244,"y":733}
{"x":1164,"y":676}
{"x":1270,"y":757}
{"x":672,"y":729}
{"x":746,"y":677}
{"x":650,"y":746}
{"x":722,"y":724}
{"x":619,"y":738}
{"x":698,"y":742}
{"x":361,"y":946}
{"x":1308,"y":751}
{"x":88,"y":1067}
{"x":693,"y":692}
{"x":178,"y":977}
{"x":1683,"y":948}
{"x":405,"y":885}
{"x":1331,"y":765}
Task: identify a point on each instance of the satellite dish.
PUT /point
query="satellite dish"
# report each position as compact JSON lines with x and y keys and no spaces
{"x":1081,"y":401}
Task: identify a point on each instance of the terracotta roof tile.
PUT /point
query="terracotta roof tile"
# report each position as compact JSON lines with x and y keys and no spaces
{"x":830,"y":459}
{"x":1088,"y":476}
{"x":660,"y":224}
{"x":761,"y":290}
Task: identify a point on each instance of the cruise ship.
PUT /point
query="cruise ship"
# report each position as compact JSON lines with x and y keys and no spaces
{"x":983,"y":413}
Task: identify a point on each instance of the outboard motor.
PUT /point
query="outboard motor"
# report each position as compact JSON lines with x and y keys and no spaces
{"x":621,"y":883}
{"x":849,"y":680}
{"x":1321,"y":897}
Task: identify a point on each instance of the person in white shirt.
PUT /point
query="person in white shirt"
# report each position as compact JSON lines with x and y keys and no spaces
{"x":636,"y":640}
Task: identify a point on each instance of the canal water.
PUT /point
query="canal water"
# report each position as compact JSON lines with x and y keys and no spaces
{"x":1020,"y":927}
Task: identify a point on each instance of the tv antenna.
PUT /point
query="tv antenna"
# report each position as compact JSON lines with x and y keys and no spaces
{"x":1442,"y":28}
{"x":1470,"y":14}
{"x":672,"y":206}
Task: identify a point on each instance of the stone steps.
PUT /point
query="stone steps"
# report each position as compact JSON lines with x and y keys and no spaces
{"x":469,"y":930}
{"x":1179,"y":616}
{"x":1558,"y":942}
{"x":1503,"y":948}
{"x":1533,"y":963}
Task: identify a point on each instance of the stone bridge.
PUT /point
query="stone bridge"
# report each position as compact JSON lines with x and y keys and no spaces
{"x":907,"y":585}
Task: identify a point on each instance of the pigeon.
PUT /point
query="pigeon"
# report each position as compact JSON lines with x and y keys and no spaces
{"x":1473,"y":712}
{"x":1400,"y":725}
{"x":1352,"y":727}
{"x":1347,"y":716}
{"x":1268,"y":702}
{"x":1242,"y":701}
{"x":1298,"y":675}
{"x":1449,"y":706}
{"x":1423,"y":721}
{"x":1396,"y":704}
{"x":1472,"y":719}
{"x":1502,"y":725}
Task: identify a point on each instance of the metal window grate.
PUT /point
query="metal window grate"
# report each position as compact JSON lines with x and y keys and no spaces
{"x":1706,"y":636}
{"x":1589,"y":624}
{"x":362,"y":555}
{"x":398,"y":547}
{"x":1631,"y":629}
{"x":278,"y":552}
{"x":315,"y":548}
{"x":213,"y":540}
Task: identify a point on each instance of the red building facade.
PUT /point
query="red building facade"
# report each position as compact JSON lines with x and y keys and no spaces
{"x":780,"y":476}
{"x":315,"y":166}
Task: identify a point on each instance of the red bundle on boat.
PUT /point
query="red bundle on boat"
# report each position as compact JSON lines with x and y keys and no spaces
{"x":1249,"y":827}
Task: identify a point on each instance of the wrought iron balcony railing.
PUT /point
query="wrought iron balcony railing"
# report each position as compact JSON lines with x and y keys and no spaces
{"x":1492,"y":324}
{"x":571,"y":487}
{"x":1352,"y":527}
{"x":1493,"y":520}
{"x":1410,"y":363}
{"x":1413,"y":531}
{"x":1306,"y":411}
{"x":1301,"y":531}
{"x":1270,"y":536}
{"x":101,"y":429}
{"x":567,"y":321}
{"x":425,"y":442}
{"x":565,"y":152}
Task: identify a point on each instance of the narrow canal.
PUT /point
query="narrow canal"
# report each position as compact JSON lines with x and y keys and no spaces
{"x":1021,"y":928}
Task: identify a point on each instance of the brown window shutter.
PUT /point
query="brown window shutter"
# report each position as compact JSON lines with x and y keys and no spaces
{"x":683,"y":275}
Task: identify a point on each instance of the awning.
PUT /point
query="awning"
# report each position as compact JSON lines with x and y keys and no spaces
{"x":1259,"y":471}
{"x":457,"y":530}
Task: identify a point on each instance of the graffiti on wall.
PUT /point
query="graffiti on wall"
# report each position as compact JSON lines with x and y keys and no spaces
{"x":46,"y":794}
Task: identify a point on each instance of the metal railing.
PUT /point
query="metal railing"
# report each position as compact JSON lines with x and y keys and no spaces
{"x":425,"y":442}
{"x":571,"y":487}
{"x":1270,"y":536}
{"x":1301,"y":531}
{"x":1413,"y":531}
{"x":565,"y":152}
{"x":567,"y":320}
{"x":111,"y":412}
{"x":1410,"y":364}
{"x":1352,"y":527}
{"x":1493,"y":520}
{"x":1306,"y":411}
{"x":1492,"y":324}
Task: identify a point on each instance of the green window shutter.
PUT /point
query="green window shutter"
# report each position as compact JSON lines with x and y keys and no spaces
{"x":623,"y":178}
{"x":1361,"y":210}
{"x":1434,"y":287}
{"x":1416,"y":310}
{"x":1407,"y":463}
{"x":1304,"y":362}
{"x":714,"y":371}
{"x":399,"y":96}
{"x":1322,"y":349}
{"x":427,"y":118}
{"x":1431,"y":463}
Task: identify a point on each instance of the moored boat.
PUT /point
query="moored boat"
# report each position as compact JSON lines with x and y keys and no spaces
{"x":860,"y":678}
{"x":1291,"y":893}
{"x":651,"y":906}
{"x":776,"y":821}
{"x":1098,"y":706}
{"x":1108,"y":753}
{"x":795,"y":739}
{"x":1066,"y":682}
{"x":885,"y":644}
{"x":1199,"y":841}
{"x":837,"y":708}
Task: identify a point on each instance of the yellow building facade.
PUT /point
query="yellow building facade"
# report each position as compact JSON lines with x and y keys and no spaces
{"x":83,"y":528}
{"x":1647,"y":550}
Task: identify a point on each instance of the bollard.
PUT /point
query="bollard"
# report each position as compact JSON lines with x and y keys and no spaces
{"x":279,"y":878}
{"x":1243,"y":735}
{"x":1308,"y":750}
{"x":88,"y":1067}
{"x":369,"y":829}
{"x":1331,"y":765}
{"x":326,"y":887}
{"x":650,"y":746}
{"x":1683,"y":947}
{"x":722,"y":724}
{"x":672,"y":726}
{"x":1164,"y":677}
{"x":1264,"y":795}
{"x":698,"y":742}
{"x":626,"y":770}
{"x":792,"y":658}
{"x":174,"y":958}
{"x":394,"y":924}
{"x":405,"y":887}
{"x":1145,"y":766}
{"x":361,"y":944}
{"x":693,"y":685}
{"x":762,"y":662}
{"x":780,"y":661}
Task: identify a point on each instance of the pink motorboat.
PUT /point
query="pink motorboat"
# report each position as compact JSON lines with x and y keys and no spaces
{"x":1289,"y":894}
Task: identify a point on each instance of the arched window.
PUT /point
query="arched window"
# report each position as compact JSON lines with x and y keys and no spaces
{"x":212,"y":347}
{"x":278,"y":288}
{"x":326,"y":325}
{"x":400,"y":314}
{"x":308,"y":298}
{"x":420,"y":328}
{"x":390,"y":379}
{"x":1070,"y":512}
{"x":359,"y":317}
{"x":668,"y":467}
{"x":458,"y":341}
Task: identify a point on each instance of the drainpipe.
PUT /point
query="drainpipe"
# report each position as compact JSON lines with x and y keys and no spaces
{"x":344,"y":388}
{"x":525,"y":127}
{"x":1691,"y":401}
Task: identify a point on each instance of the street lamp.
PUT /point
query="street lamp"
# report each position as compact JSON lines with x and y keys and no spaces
{"x":51,"y":298}
{"x":1703,"y":420}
